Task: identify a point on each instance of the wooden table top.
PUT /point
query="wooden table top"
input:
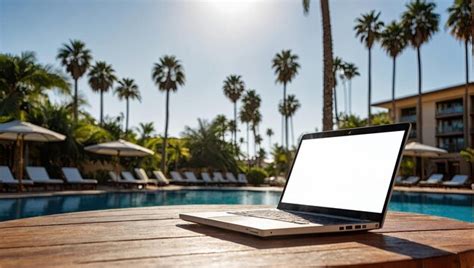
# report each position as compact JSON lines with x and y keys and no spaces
{"x":155,"y":236}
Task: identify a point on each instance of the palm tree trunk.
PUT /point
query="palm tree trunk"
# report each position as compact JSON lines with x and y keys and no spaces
{"x":466,"y":96}
{"x":350,"y":96}
{"x":248,"y":144}
{"x":101,"y":107}
{"x":369,"y":114}
{"x":419,"y":121}
{"x":286,"y":115}
{"x":75,"y":101}
{"x":292,"y":132}
{"x":282,"y":130}
{"x":328,"y":81}
{"x":335,"y":106}
{"x":165,"y":138}
{"x":394,"y":62}
{"x":128,"y":113}
{"x":235,"y":122}
{"x":344,"y":87}
{"x":254,"y":139}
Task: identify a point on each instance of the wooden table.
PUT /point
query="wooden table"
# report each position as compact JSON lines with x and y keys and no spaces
{"x":155,"y":236}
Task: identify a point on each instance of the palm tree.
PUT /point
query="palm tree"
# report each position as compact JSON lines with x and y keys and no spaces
{"x":460,"y":25}
{"x":293,"y":105}
{"x":350,"y":71}
{"x":337,"y":66}
{"x":245,"y":115}
{"x":233,"y":88}
{"x":251,"y":103}
{"x":393,"y":41}
{"x":168,"y":74}
{"x":222,"y":125}
{"x":328,"y":81}
{"x":270,"y":133}
{"x":101,"y":79}
{"x":77,"y":59}
{"x":146,"y":130}
{"x":128,"y":90}
{"x":368,"y":29}
{"x":420,"y":22}
{"x":23,"y":82}
{"x":286,"y":68}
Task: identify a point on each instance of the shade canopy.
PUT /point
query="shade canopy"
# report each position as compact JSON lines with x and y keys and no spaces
{"x":422,"y":150}
{"x":28,"y":132}
{"x":119,"y":148}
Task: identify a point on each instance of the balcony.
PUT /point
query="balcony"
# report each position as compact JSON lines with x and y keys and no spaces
{"x":408,"y":118}
{"x":450,"y":112}
{"x":412,"y":134}
{"x":449,"y":131}
{"x":452,"y":148}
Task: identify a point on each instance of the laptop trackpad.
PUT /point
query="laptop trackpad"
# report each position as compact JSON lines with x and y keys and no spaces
{"x":259,"y":223}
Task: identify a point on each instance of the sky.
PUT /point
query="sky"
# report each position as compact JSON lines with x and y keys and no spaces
{"x":215,"y":38}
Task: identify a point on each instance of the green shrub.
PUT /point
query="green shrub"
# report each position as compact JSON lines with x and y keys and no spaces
{"x":256,"y":176}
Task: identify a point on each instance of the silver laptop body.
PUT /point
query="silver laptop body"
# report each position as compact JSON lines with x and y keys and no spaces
{"x":339,"y":181}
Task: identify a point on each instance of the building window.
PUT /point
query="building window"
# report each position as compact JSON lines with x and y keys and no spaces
{"x":449,"y":107}
{"x":450,"y":126}
{"x":451,"y":144}
{"x":409,"y":115}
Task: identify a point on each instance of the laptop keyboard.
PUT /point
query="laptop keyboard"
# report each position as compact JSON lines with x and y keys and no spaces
{"x":293,"y":217}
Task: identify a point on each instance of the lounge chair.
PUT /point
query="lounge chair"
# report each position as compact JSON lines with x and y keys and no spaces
{"x":457,"y":181}
{"x":242,"y":178}
{"x":433,"y":180}
{"x":219,"y":177}
{"x":191,"y":177}
{"x":177,"y":178}
{"x":74,"y":177}
{"x":412,"y":180}
{"x":128,"y":178}
{"x":231,"y":178}
{"x":398,"y":180}
{"x":162,"y":180}
{"x":207,"y":178}
{"x":141,"y":174}
{"x":40,"y":176}
{"x":7,"y":179}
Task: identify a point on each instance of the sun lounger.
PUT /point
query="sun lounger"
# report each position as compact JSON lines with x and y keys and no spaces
{"x":219,"y":177}
{"x":141,"y":174}
{"x":130,"y":179}
{"x":231,"y":178}
{"x":176,"y":177}
{"x":412,"y":180}
{"x":456,"y":181}
{"x":73,"y":176}
{"x":207,"y":178}
{"x":114,"y":177}
{"x":398,"y":180}
{"x":162,"y":180}
{"x":242,"y":178}
{"x":40,"y":176}
{"x":433,"y":180}
{"x":191,"y":177}
{"x":6,"y":178}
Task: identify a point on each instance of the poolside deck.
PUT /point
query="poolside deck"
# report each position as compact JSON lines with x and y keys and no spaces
{"x":155,"y":236}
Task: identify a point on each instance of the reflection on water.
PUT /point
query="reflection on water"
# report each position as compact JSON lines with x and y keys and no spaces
{"x":454,"y":206}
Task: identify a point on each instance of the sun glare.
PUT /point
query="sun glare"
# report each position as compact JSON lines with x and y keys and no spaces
{"x":233,"y":8}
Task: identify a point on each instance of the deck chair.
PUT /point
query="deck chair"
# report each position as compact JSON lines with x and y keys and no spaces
{"x":219,"y":177}
{"x":141,"y":174}
{"x":177,"y":178}
{"x":207,"y":178}
{"x":398,"y":180}
{"x":73,"y":176}
{"x":433,"y":180}
{"x":162,"y":180}
{"x":40,"y":176}
{"x":231,"y":178}
{"x":456,"y":181}
{"x":242,"y":178}
{"x":412,"y":180}
{"x":191,"y":177}
{"x":6,"y":178}
{"x":130,"y":179}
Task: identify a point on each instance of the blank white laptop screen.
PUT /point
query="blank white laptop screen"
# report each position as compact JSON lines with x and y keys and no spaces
{"x":345,"y":172}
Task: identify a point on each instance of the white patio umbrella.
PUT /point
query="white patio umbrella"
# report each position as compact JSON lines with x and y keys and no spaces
{"x":416,"y":149}
{"x":119,"y":148}
{"x":24,"y":131}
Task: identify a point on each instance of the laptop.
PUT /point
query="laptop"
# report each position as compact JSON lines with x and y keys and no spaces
{"x":339,"y":181}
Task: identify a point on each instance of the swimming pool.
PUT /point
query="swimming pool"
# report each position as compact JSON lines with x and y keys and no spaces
{"x":456,"y":206}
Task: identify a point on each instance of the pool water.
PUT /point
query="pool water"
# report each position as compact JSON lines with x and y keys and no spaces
{"x":456,"y":206}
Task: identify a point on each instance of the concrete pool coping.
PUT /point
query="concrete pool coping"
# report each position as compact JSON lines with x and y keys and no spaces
{"x":106,"y":189}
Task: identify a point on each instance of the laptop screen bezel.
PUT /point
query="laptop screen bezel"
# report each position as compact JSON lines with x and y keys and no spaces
{"x":355,"y":214}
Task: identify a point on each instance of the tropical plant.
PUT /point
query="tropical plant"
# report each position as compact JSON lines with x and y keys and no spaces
{"x":251,"y":114}
{"x":101,"y":79}
{"x":350,"y":71}
{"x":351,"y":121}
{"x":286,"y":66}
{"x":328,"y":78}
{"x":292,"y":105}
{"x":337,"y":66}
{"x":168,"y":75}
{"x":461,"y":27}
{"x":77,"y":59}
{"x":421,"y":23}
{"x":233,"y":88}
{"x":146,"y":130}
{"x":270,"y":133}
{"x":178,"y":153}
{"x":256,"y":176}
{"x":468,"y":155}
{"x":128,"y":90}
{"x":393,"y":41}
{"x":222,"y":125}
{"x":23,"y":83}
{"x":368,"y":28}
